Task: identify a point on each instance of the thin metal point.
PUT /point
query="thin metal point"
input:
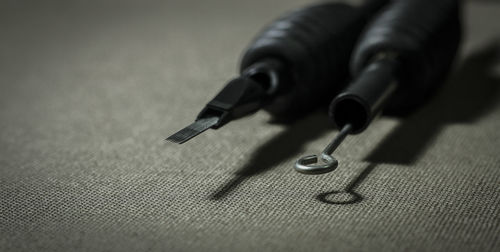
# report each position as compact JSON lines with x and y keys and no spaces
{"x":193,"y":130}
{"x":309,"y":165}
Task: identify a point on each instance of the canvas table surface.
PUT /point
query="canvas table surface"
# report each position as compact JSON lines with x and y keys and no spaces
{"x":89,"y":90}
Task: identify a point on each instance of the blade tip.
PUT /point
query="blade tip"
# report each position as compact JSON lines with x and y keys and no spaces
{"x":192,"y":130}
{"x":174,"y":139}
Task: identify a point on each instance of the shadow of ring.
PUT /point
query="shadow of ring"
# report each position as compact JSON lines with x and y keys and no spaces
{"x":339,"y":197}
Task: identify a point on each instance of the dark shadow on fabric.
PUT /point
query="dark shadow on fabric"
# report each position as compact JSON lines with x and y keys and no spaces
{"x":467,"y":96}
{"x":348,"y":195}
{"x":283,"y":146}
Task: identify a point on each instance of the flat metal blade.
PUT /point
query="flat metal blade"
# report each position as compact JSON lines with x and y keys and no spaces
{"x":193,"y":130}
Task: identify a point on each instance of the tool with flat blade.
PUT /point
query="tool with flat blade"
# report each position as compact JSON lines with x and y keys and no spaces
{"x":296,"y":64}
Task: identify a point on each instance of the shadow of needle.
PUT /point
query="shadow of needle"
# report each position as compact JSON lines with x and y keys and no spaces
{"x":468,"y":95}
{"x":348,"y":195}
{"x":283,"y":146}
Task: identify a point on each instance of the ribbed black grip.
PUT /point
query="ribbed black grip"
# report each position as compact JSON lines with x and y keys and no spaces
{"x":315,"y":44}
{"x":425,"y":35}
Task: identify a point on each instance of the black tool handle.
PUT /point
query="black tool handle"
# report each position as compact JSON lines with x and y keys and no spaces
{"x":314,"y":44}
{"x":411,"y":43}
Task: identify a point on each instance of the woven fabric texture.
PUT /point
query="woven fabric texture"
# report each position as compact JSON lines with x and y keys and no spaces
{"x":89,"y":90}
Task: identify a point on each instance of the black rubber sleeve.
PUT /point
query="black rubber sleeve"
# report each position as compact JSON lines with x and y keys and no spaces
{"x":425,"y":35}
{"x":315,"y":44}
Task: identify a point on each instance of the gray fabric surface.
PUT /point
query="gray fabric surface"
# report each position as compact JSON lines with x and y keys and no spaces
{"x":89,"y":90}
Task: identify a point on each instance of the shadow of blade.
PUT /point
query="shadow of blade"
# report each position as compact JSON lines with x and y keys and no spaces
{"x":348,"y":195}
{"x":281,"y":147}
{"x":468,"y":95}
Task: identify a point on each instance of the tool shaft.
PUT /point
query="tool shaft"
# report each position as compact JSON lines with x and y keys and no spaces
{"x":298,"y":63}
{"x":402,"y":57}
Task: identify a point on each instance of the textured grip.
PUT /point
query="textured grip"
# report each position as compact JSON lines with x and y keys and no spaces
{"x":315,"y":44}
{"x":425,"y":34}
